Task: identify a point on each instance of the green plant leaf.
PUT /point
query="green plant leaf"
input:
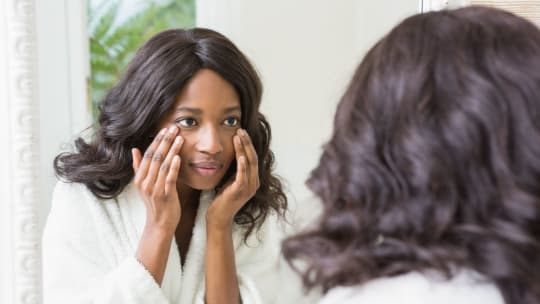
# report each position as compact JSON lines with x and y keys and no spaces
{"x":111,"y":48}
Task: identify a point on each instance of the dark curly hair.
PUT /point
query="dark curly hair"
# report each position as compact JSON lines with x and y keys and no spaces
{"x":434,"y":161}
{"x":131,"y":111}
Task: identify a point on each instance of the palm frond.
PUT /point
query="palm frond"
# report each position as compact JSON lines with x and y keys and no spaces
{"x":103,"y":24}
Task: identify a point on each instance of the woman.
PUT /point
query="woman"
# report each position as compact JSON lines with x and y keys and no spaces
{"x":430,"y":183}
{"x":174,"y":199}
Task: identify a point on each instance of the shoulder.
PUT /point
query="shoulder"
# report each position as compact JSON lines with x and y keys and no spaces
{"x":70,"y":212}
{"x":70,"y":201}
{"x":76,"y":210}
{"x":70,"y":222}
{"x":466,"y":286}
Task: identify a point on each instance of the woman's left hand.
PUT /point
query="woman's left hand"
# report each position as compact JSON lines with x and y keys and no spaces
{"x":237,"y":191}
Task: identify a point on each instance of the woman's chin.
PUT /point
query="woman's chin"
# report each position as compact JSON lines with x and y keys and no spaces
{"x":202,"y":185}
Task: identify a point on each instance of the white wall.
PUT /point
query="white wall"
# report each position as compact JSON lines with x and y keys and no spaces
{"x":306,"y":51}
{"x":63,"y":67}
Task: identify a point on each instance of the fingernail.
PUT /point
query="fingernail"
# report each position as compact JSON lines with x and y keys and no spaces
{"x":172,"y":129}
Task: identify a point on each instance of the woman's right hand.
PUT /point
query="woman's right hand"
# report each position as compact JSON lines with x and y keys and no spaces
{"x":155,"y":178}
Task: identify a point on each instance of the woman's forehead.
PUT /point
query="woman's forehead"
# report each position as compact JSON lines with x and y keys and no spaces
{"x":207,"y":90}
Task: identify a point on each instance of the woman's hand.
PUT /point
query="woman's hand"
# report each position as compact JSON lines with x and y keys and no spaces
{"x":155,"y":177}
{"x":237,"y":191}
{"x":221,"y":277}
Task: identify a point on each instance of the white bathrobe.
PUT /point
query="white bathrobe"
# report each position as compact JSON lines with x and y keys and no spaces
{"x":89,"y":250}
{"x":466,"y":287}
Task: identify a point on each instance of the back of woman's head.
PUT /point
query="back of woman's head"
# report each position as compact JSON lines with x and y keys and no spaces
{"x":434,"y":162}
{"x":130,"y":113}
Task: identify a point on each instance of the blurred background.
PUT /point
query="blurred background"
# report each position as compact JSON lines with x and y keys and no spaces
{"x":59,"y":57}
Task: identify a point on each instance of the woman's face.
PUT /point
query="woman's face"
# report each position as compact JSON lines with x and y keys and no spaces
{"x":207,"y":113}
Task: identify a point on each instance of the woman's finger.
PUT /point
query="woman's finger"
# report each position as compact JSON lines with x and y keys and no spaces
{"x":147,"y":157}
{"x":159,"y":155}
{"x":240,"y":154}
{"x":239,"y":147}
{"x":136,"y":159}
{"x":249,"y":149}
{"x":241,"y":173}
{"x":164,"y":170}
{"x":251,"y":157}
{"x":172,"y":176}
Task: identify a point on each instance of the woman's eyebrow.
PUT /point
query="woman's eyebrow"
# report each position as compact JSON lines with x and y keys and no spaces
{"x":232,"y":109}
{"x":199,"y":111}
{"x":188,"y":109}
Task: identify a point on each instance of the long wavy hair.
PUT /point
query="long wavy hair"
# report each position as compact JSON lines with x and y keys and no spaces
{"x":131,"y":111}
{"x":434,"y":161}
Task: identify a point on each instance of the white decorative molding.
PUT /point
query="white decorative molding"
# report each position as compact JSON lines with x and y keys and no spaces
{"x":20,"y":116}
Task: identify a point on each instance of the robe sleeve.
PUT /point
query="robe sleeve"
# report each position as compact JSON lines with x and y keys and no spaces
{"x":78,"y":267}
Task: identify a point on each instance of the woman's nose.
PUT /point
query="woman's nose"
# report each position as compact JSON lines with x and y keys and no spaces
{"x":209,"y":141}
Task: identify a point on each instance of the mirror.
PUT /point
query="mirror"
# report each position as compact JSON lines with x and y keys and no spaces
{"x":304,"y":59}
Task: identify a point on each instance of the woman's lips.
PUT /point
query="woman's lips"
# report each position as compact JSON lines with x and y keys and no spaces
{"x":206,"y":168}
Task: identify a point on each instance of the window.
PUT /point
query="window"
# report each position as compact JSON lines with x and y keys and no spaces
{"x":118,"y":28}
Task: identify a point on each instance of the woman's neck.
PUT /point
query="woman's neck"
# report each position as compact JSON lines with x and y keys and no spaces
{"x":189,"y":197}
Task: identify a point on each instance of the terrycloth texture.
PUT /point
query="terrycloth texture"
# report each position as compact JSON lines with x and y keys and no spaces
{"x":89,"y":250}
{"x":417,"y":288}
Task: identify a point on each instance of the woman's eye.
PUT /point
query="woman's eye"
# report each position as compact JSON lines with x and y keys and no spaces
{"x":231,"y":122}
{"x":186,"y":122}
